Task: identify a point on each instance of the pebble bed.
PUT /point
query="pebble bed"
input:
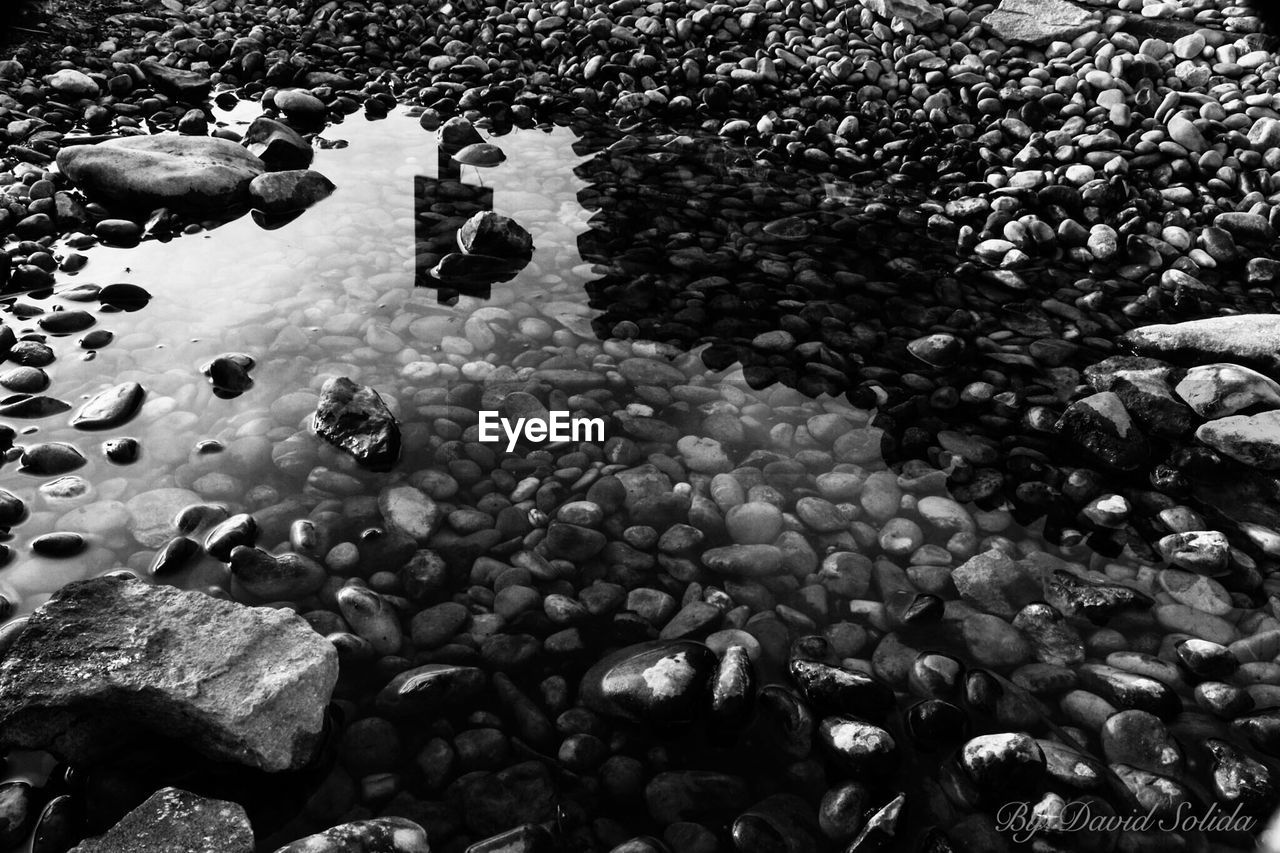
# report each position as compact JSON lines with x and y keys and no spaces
{"x":891,"y":530}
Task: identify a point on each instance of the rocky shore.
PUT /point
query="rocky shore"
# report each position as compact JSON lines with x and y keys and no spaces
{"x":936,"y":347}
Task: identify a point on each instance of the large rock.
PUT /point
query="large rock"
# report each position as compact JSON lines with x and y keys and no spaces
{"x":354,"y":418}
{"x":186,"y":173}
{"x":1100,"y":425}
{"x":660,"y":681}
{"x":381,"y":835}
{"x":919,"y":13}
{"x":176,"y":821}
{"x":1249,"y":339}
{"x":287,"y":191}
{"x":1038,"y":22}
{"x":108,"y":664}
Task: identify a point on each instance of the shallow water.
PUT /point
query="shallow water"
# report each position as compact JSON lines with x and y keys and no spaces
{"x":685,"y":241}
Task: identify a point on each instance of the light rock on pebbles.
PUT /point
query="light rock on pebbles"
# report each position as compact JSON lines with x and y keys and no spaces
{"x":289,"y":190}
{"x":172,"y":819}
{"x":1038,"y":22}
{"x":379,"y":835}
{"x":1251,"y":439}
{"x":410,"y":511}
{"x":1218,"y":390}
{"x":130,"y":652}
{"x":1252,"y":340}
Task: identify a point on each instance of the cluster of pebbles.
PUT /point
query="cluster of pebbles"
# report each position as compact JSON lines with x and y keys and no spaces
{"x":889,"y":532}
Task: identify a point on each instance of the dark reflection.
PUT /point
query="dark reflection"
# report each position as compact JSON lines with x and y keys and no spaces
{"x":699,"y":243}
{"x":441,"y":205}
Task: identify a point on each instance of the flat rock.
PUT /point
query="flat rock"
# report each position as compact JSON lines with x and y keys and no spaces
{"x":1251,"y":439}
{"x":176,"y":821}
{"x":380,"y":835}
{"x":182,"y":84}
{"x":1038,"y":22}
{"x":108,"y":663}
{"x":1249,"y":339}
{"x":354,"y":418}
{"x":186,"y":173}
{"x":110,"y":408}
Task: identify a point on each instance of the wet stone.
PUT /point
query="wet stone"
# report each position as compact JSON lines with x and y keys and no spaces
{"x":431,"y":689}
{"x":1005,"y":762}
{"x":86,"y":647}
{"x":110,"y":408}
{"x":51,"y":458}
{"x":662,"y":681}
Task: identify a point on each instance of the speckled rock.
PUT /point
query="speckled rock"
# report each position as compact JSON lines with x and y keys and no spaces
{"x":109,"y":662}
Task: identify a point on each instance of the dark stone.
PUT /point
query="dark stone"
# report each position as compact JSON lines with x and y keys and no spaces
{"x":660,"y":681}
{"x":184,"y":85}
{"x":110,"y":408}
{"x":354,"y":418}
{"x":278,"y":145}
{"x":434,"y":689}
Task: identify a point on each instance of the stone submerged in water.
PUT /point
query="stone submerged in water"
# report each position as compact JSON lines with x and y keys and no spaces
{"x":109,"y":663}
{"x":380,"y":835}
{"x":354,"y":418}
{"x":172,"y":820}
{"x":184,"y":173}
{"x":185,"y":85}
{"x":110,"y":408}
